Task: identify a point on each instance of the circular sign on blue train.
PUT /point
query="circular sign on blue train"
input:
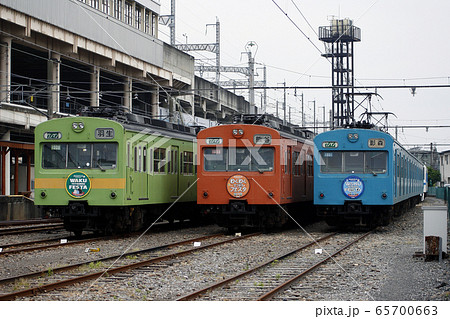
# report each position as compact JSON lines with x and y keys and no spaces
{"x":353,"y":187}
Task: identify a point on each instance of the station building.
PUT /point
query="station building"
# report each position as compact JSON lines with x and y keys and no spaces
{"x":58,"y":56}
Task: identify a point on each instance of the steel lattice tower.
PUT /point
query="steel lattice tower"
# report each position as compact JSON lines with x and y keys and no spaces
{"x":339,"y":38}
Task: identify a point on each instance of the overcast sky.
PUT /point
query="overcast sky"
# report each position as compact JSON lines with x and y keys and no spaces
{"x":403,"y":42}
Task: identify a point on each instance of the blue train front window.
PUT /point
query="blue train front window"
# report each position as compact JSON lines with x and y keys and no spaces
{"x":353,"y":162}
{"x":331,"y":162}
{"x":350,"y":162}
{"x":375,"y":162}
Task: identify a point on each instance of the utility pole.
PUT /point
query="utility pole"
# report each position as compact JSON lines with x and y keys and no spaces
{"x":314,"y":116}
{"x":169,"y":20}
{"x":251,"y":68}
{"x":323,"y":107}
{"x":431,"y":157}
{"x":284,"y":102}
{"x":314,"y":119}
{"x":303,"y":113}
{"x":276,"y":114}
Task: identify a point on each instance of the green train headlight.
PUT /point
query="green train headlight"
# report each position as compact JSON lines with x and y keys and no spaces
{"x":113,"y":195}
{"x":77,"y":127}
{"x":43,"y":194}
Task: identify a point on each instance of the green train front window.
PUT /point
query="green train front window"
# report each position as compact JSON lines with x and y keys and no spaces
{"x":54,"y":155}
{"x":79,"y":155}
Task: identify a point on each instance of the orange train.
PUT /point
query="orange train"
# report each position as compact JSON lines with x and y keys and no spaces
{"x":255,"y":173}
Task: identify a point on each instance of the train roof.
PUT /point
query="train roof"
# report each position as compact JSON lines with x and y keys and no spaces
{"x":270,"y":121}
{"x":135,"y":122}
{"x":370,"y":130}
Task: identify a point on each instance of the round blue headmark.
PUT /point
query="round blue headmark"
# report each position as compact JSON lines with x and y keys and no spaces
{"x":353,"y":187}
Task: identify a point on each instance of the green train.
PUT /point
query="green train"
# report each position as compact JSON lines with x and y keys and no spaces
{"x":114,"y":174}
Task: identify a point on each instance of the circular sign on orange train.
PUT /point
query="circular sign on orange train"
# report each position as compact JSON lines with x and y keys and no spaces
{"x":238,"y":186}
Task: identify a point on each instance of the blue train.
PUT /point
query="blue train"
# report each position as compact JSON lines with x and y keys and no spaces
{"x":364,"y":177}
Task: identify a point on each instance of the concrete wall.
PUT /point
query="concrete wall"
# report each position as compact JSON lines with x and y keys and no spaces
{"x":17,"y":208}
{"x":85,"y":21}
{"x":180,"y":63}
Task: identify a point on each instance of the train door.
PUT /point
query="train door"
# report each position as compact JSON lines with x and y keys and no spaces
{"x":129,"y":170}
{"x":303,"y":171}
{"x":173,"y":172}
{"x":395,"y":173}
{"x":141,"y":182}
{"x":288,"y":173}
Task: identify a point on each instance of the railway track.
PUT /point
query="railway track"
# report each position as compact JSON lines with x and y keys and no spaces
{"x":27,"y":222}
{"x":28,"y":246}
{"x":29,"y":229}
{"x":274,"y":276}
{"x":51,"y":279}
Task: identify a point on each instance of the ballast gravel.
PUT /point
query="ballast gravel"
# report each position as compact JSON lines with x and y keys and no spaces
{"x":382,"y":267}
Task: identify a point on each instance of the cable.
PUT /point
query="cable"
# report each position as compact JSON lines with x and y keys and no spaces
{"x":287,"y":16}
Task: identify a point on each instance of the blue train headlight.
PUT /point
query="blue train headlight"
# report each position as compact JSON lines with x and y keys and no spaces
{"x":321,"y":195}
{"x":384,"y":196}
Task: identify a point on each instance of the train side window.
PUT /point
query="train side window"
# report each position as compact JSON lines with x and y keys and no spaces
{"x":135,"y":159}
{"x":296,"y":163}
{"x":174,"y":161}
{"x":128,"y":155}
{"x":150,"y":160}
{"x":140,"y":159}
{"x":159,"y":160}
{"x":144,"y":153}
{"x":287,"y":169}
{"x":170,"y":162}
{"x":309,"y":163}
{"x":195,"y":164}
{"x":302,"y":163}
{"x":188,"y":163}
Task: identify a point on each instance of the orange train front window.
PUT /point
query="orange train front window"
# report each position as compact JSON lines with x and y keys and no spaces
{"x":239,"y":159}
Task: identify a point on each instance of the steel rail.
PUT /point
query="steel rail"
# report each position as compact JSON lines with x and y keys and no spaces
{"x":198,"y":293}
{"x":27,"y":249}
{"x":73,"y":266}
{"x":288,"y":283}
{"x":30,"y":222}
{"x":68,"y":282}
{"x":20,"y":230}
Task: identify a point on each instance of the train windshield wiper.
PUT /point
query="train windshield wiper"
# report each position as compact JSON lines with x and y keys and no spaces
{"x":101,"y":167}
{"x":374,"y":174}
